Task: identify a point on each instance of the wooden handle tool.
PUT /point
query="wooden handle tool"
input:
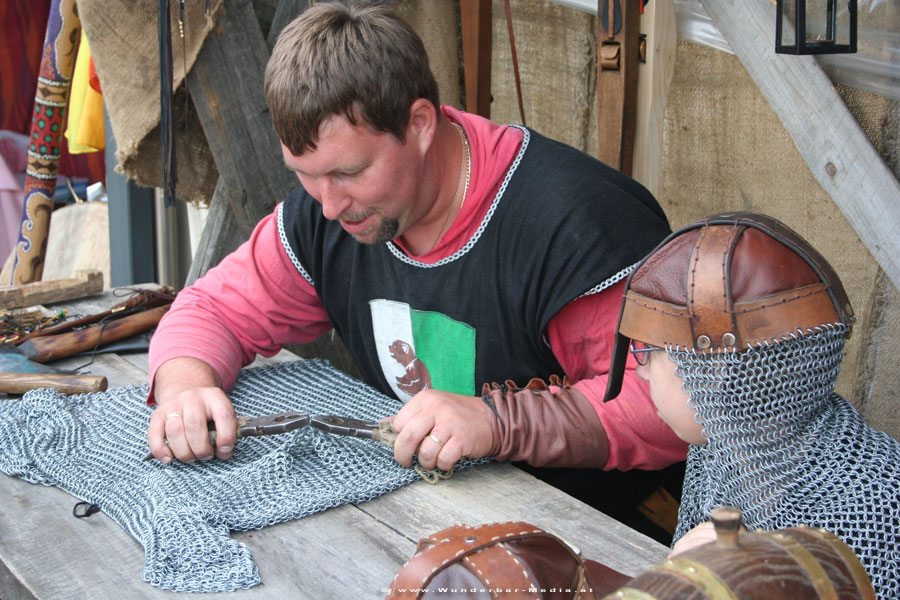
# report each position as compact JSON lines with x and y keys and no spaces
{"x":19,"y":383}
{"x":52,"y":347}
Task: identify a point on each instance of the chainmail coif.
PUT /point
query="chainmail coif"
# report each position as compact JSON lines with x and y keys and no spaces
{"x":92,"y":446}
{"x":786,"y":450}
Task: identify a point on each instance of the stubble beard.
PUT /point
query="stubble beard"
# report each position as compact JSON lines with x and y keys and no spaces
{"x":386,"y":231}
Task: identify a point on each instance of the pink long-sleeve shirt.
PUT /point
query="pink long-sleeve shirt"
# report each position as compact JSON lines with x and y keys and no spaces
{"x":254,"y":302}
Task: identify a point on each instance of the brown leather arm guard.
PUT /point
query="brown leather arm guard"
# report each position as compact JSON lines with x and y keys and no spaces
{"x":545,"y":429}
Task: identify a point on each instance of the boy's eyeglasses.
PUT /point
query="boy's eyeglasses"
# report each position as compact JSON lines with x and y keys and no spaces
{"x":641,"y":351}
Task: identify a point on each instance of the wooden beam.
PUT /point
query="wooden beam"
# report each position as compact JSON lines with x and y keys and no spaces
{"x":221,"y":234}
{"x":85,"y":283}
{"x":839,"y":155}
{"x":476,"y":16}
{"x":617,"y":86}
{"x":287,"y":11}
{"x":226,"y":86}
{"x":654,"y":78}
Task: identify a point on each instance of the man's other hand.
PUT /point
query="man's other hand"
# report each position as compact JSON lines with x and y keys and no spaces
{"x":441,"y":428}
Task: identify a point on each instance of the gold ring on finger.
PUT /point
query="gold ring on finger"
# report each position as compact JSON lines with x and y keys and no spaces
{"x":172,"y":414}
{"x":436,"y":439}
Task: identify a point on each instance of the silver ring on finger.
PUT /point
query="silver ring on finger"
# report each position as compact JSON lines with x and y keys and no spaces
{"x":172,"y":415}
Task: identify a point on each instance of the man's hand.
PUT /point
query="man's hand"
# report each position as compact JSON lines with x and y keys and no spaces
{"x":188,"y":395}
{"x":442,"y":428}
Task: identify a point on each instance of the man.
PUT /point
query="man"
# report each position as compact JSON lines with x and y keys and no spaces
{"x":445,"y":250}
{"x":739,"y":325}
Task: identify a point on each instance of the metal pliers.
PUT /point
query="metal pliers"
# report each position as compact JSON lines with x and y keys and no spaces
{"x":289,"y":421}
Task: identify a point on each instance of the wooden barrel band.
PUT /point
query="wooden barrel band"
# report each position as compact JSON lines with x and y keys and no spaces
{"x":808,"y":563}
{"x":700,"y":575}
{"x":630,"y":593}
{"x":857,"y":571}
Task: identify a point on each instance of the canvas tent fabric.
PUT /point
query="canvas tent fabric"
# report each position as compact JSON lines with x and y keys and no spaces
{"x":92,"y":446}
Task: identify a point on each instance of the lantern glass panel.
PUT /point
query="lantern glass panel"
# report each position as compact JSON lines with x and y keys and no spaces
{"x":815,"y":26}
{"x":788,"y":14}
{"x":827,"y":22}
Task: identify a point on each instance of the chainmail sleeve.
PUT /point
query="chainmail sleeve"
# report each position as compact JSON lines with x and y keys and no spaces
{"x":92,"y":446}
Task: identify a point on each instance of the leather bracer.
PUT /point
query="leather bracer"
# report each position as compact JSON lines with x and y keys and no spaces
{"x":546,"y":428}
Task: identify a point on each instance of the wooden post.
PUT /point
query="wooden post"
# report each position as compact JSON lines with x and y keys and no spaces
{"x":226,"y":85}
{"x":838,"y":153}
{"x":476,"y":18}
{"x":617,"y":85}
{"x":654,"y":79}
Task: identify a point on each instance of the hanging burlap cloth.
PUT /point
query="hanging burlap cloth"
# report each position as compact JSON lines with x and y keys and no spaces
{"x":125,"y":48}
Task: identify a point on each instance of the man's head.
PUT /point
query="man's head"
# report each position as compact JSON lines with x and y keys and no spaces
{"x":361,"y":62}
{"x":724,"y":287}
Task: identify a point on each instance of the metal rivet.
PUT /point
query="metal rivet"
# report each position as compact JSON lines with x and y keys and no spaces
{"x":470,"y":538}
{"x":830,"y":169}
{"x":728,"y":340}
{"x":703,"y":342}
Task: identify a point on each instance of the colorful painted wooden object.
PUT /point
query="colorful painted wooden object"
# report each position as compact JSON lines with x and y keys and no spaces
{"x":57,"y":63}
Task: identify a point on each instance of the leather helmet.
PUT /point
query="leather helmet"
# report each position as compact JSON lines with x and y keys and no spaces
{"x":724,"y":283}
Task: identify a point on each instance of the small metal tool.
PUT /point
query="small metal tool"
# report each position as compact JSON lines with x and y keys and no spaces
{"x":289,"y":421}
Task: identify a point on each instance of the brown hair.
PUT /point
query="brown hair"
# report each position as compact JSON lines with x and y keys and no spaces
{"x":362,"y":61}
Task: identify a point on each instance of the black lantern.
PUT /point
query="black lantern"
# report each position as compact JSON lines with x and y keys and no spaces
{"x":821,"y":30}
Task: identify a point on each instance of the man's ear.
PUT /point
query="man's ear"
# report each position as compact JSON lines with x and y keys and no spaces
{"x":422,"y":126}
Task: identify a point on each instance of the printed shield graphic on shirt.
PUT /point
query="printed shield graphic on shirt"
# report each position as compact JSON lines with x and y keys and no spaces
{"x":420,"y":349}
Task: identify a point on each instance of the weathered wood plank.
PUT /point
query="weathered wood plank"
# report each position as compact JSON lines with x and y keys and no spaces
{"x":221,"y":235}
{"x":838,"y":153}
{"x":85,"y":283}
{"x":654,"y":78}
{"x":499,"y":492}
{"x":477,"y":45}
{"x":226,"y":86}
{"x":286,"y":12}
{"x":617,"y":89}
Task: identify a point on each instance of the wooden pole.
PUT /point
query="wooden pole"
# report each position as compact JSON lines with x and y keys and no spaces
{"x":654,"y":79}
{"x":476,"y":16}
{"x":617,"y":74}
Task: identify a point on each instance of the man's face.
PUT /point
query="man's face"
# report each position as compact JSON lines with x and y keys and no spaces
{"x":370,"y":182}
{"x":670,"y":399}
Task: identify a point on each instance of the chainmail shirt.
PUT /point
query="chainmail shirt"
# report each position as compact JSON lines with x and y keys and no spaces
{"x":92,"y":446}
{"x":786,"y":450}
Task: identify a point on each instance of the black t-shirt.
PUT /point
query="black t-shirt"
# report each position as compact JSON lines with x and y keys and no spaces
{"x":561,"y":225}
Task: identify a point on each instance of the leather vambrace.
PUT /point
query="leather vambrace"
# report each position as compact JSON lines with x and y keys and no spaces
{"x":546,"y":428}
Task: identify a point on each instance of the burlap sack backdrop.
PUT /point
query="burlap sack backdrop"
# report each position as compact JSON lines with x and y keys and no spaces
{"x":125,"y":47}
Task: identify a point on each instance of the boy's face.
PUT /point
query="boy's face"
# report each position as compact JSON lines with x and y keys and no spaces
{"x":670,"y":399}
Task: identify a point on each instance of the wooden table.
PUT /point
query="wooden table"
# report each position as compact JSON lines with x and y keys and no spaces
{"x":352,"y":551}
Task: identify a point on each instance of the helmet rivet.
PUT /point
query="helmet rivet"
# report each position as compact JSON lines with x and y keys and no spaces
{"x":728,"y":340}
{"x":703,"y":342}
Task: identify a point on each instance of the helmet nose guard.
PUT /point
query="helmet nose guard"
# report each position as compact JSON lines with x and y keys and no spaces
{"x":724,"y":283}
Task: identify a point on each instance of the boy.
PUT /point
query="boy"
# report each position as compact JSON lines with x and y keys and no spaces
{"x":739,"y":326}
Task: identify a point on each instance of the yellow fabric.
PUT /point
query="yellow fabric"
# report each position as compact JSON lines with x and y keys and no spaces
{"x":85,"y":131}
